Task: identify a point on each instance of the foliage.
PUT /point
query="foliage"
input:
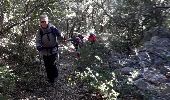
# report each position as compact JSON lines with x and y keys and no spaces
{"x":92,"y":54}
{"x":91,"y":70}
{"x":3,"y":98}
{"x":127,"y":90}
{"x":8,"y":79}
{"x":100,"y":81}
{"x":133,"y":17}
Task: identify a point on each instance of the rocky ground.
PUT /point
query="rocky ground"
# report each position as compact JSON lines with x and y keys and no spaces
{"x":148,"y":68}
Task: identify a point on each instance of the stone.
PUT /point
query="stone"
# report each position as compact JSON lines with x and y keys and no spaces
{"x":168,"y":75}
{"x":141,"y":84}
{"x":127,"y":70}
{"x":154,"y":77}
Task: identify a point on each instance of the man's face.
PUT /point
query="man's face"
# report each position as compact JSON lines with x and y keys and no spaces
{"x":44,"y":22}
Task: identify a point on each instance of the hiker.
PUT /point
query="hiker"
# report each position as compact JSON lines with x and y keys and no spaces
{"x":81,"y":38}
{"x":92,"y":38}
{"x":77,"y":41}
{"x":47,"y":45}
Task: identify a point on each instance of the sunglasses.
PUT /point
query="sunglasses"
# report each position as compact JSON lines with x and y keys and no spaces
{"x":43,"y":21}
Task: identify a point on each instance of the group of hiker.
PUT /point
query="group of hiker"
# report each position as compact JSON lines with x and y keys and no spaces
{"x":78,"y":41}
{"x":47,"y":39}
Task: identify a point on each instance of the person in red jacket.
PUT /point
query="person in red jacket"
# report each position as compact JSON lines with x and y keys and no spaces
{"x":92,"y":38}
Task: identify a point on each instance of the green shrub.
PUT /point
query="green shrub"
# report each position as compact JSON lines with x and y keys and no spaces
{"x":7,"y":83}
{"x":3,"y":97}
{"x":93,"y":73}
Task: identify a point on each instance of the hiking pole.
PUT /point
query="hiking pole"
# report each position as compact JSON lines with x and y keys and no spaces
{"x":58,"y":55}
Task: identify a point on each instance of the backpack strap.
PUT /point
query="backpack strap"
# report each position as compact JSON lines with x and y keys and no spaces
{"x":41,"y":33}
{"x":52,"y":31}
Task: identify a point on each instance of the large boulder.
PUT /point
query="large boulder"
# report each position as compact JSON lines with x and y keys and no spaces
{"x":160,"y":31}
{"x":154,"y":77}
{"x":152,"y":64}
{"x":127,"y":70}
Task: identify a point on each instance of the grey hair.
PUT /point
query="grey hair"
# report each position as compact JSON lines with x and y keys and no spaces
{"x":43,"y":17}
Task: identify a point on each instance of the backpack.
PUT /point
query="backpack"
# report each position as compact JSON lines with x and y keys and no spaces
{"x":81,"y":37}
{"x":78,"y":40}
{"x":48,"y":39}
{"x":92,"y":38}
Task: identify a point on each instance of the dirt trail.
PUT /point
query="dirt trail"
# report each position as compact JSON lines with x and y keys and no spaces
{"x":40,"y":89}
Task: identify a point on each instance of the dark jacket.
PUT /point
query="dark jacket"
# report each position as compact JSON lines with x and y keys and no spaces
{"x":46,"y":40}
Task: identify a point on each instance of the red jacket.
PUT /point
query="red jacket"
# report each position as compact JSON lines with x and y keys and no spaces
{"x":92,"y":38}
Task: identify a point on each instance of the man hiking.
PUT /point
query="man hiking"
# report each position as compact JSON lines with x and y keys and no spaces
{"x":47,"y":45}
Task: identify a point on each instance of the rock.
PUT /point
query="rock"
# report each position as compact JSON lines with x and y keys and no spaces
{"x":161,"y":32}
{"x":127,"y":70}
{"x":144,"y":59}
{"x":141,"y":84}
{"x":168,"y":75}
{"x":167,"y":67}
{"x":154,"y":77}
{"x":154,"y":39}
{"x":165,"y":92}
{"x":114,"y":60}
{"x":151,"y":64}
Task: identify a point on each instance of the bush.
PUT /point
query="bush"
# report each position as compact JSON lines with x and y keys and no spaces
{"x":7,"y":83}
{"x":93,"y":72}
{"x":3,"y":98}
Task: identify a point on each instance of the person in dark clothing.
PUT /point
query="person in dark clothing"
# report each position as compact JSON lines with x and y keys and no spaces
{"x":47,"y":45}
{"x":77,"y":41}
{"x":81,"y":38}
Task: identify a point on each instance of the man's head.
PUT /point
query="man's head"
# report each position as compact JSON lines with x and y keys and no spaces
{"x":44,"y":21}
{"x":91,"y":33}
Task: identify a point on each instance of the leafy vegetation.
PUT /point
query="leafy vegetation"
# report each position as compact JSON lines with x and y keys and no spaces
{"x":8,"y":79}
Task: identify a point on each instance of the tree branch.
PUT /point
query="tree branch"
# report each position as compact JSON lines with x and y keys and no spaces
{"x":25,"y":17}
